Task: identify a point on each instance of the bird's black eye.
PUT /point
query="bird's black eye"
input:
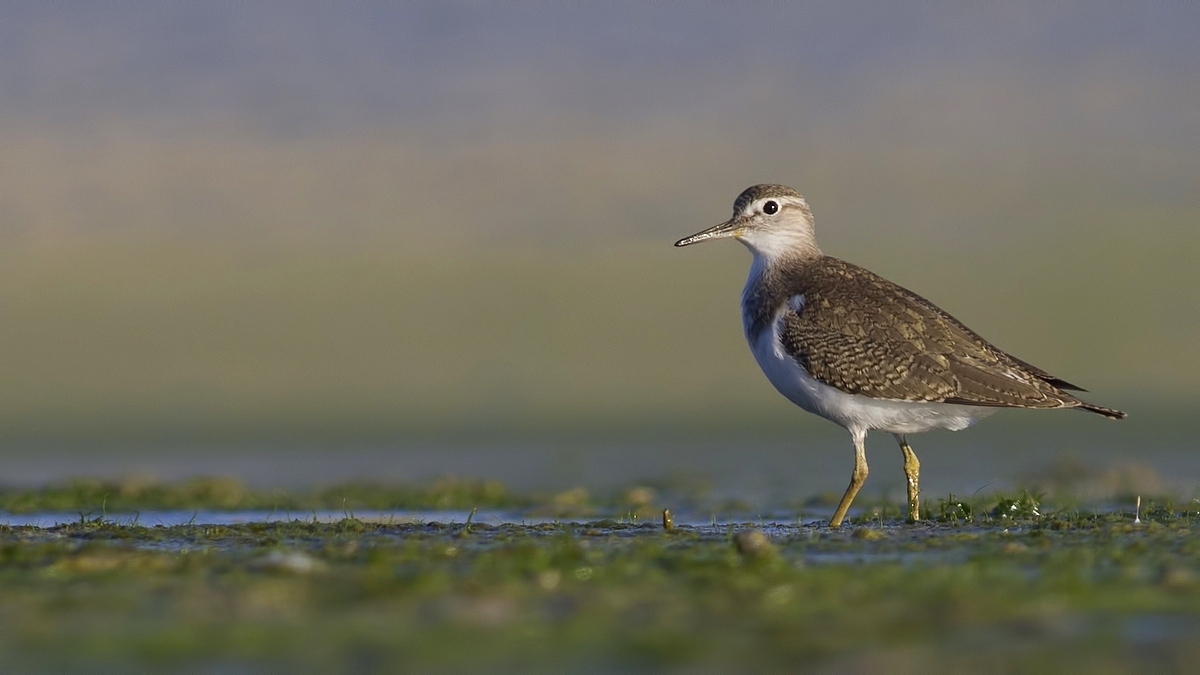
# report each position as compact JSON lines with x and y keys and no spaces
{"x":770,"y":208}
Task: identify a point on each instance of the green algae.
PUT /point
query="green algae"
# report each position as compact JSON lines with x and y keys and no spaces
{"x":1006,"y":589}
{"x":96,"y":496}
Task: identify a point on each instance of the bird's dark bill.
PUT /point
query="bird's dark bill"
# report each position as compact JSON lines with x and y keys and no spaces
{"x":725,"y":229}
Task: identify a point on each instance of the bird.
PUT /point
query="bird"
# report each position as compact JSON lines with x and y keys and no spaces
{"x":848,"y":345}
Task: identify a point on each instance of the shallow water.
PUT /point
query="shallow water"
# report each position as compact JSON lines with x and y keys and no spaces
{"x":1149,"y":452}
{"x":174,"y":517}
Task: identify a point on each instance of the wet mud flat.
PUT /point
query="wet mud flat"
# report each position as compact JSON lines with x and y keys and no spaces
{"x":1061,"y":592}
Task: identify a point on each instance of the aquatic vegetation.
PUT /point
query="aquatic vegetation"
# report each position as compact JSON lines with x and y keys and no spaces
{"x":95,"y":496}
{"x":1002,"y":585}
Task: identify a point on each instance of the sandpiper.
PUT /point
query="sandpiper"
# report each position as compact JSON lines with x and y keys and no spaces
{"x":846,"y":344}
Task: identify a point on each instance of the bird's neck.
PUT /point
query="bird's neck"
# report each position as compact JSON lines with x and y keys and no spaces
{"x":774,"y":255}
{"x":768,"y":286}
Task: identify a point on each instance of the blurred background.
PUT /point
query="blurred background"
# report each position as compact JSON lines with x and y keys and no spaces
{"x":299,"y":242}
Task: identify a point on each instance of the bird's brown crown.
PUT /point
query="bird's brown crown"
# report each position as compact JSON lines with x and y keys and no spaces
{"x":762,"y":191}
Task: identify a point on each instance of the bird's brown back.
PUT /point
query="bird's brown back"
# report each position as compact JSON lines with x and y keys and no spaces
{"x":863,"y":334}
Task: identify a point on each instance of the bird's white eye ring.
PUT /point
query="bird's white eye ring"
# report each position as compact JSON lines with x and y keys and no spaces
{"x":771,"y":207}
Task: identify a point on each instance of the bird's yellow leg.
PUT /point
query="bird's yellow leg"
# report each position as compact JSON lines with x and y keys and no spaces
{"x":856,"y":479}
{"x":912,"y":471}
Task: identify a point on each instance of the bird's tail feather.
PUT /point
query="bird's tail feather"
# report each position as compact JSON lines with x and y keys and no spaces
{"x":1101,"y":410}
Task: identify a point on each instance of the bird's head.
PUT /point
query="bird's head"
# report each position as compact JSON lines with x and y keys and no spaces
{"x":771,"y":220}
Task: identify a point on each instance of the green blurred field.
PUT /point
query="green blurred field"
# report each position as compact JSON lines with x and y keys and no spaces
{"x":128,"y":337}
{"x":441,"y":222}
{"x":166,"y":280}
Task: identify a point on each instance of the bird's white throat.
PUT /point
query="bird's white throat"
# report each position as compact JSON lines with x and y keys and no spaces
{"x":773,"y":245}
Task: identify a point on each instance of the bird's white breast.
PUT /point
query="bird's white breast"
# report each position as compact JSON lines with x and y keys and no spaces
{"x":852,"y":411}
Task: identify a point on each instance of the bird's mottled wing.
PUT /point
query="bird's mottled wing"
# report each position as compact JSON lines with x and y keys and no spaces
{"x":1023,"y":365}
{"x":865,"y":335}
